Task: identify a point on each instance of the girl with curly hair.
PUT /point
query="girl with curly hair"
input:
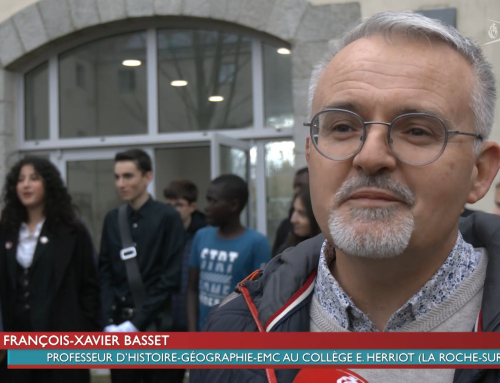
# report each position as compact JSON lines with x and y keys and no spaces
{"x":48,"y":278}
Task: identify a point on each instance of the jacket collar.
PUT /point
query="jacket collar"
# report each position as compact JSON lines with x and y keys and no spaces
{"x":61,"y":240}
{"x":142,"y":211}
{"x":286,"y":282}
{"x":483,"y":230}
{"x":292,"y":274}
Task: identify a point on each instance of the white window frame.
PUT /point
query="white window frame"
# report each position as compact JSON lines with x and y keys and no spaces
{"x":153,"y":136}
{"x":62,"y":150}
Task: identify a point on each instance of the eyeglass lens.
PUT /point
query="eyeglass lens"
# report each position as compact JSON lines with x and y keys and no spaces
{"x":414,"y":139}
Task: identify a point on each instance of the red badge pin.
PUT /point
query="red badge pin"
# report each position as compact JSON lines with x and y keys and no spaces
{"x":328,"y":375}
{"x":8,"y":245}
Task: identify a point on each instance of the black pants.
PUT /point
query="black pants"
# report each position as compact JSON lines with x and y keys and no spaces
{"x":42,"y":376}
{"x":29,"y":376}
{"x":176,"y":376}
{"x":145,"y":376}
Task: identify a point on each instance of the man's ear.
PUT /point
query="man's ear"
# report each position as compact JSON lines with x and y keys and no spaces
{"x":234,"y":205}
{"x":485,"y":171}
{"x":149,"y":176}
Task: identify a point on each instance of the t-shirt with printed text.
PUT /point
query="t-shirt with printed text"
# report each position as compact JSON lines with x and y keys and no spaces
{"x":223,"y":263}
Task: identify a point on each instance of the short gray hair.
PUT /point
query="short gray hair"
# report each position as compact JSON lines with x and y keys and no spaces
{"x":413,"y":25}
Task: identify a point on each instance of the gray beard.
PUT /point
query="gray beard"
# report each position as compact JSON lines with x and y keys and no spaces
{"x":377,"y":233}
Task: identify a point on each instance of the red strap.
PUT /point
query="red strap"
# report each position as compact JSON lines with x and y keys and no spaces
{"x":251,"y":306}
{"x":252,"y":276}
{"x":271,"y":375}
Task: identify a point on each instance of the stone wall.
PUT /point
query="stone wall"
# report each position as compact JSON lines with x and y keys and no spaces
{"x":306,"y":27}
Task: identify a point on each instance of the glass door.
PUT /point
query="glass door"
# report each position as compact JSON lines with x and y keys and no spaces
{"x":231,"y":156}
{"x":189,"y":161}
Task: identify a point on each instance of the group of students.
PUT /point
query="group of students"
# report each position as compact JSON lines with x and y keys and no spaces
{"x":161,"y":266}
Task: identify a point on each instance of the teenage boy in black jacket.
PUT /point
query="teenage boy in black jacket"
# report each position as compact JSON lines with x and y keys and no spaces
{"x":158,"y":235}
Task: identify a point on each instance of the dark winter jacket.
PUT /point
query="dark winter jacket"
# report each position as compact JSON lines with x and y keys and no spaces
{"x":283,"y":293}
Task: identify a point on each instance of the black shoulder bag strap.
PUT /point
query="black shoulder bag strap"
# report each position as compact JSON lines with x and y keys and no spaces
{"x":129,"y":255}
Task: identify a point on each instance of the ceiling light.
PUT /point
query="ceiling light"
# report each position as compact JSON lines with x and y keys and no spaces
{"x":179,"y":83}
{"x":284,"y":51}
{"x":216,"y":98}
{"x":131,"y":62}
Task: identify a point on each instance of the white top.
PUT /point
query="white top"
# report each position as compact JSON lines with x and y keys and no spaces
{"x":27,"y":244}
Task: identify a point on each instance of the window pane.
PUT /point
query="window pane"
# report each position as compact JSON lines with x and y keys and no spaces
{"x":36,"y":89}
{"x":207,"y":64}
{"x":103,"y":88}
{"x":280,"y":162}
{"x":92,"y":187}
{"x":233,"y":161}
{"x":195,"y":167}
{"x":278,"y":103}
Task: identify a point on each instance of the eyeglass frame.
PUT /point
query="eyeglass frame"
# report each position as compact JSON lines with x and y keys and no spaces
{"x":390,"y":125}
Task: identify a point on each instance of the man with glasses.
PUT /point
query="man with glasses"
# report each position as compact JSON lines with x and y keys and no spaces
{"x":401,"y":113}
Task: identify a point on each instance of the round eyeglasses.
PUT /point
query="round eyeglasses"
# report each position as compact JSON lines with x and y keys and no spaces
{"x":416,"y":139}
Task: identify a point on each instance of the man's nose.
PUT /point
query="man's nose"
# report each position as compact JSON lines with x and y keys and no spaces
{"x":375,"y":155}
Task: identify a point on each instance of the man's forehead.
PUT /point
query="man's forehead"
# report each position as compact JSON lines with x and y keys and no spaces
{"x":126,"y":167}
{"x":397,"y":48}
{"x":214,"y":188}
{"x":398,"y":63}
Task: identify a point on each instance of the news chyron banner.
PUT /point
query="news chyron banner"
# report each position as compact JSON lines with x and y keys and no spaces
{"x":251,"y":350}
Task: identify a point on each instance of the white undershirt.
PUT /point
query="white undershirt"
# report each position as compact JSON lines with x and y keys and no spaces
{"x":27,"y":244}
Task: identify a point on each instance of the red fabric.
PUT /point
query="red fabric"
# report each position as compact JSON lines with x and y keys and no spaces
{"x":328,"y":375}
{"x":294,"y":296}
{"x":270,"y":374}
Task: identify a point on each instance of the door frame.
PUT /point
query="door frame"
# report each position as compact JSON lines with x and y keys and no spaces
{"x":256,"y":147}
